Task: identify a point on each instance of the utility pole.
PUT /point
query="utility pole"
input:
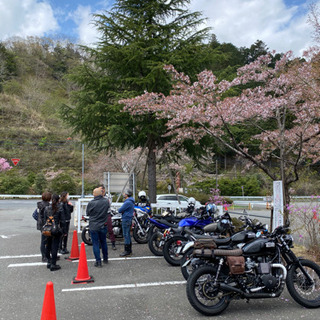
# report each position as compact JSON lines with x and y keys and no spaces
{"x":82,"y":187}
{"x":216,"y":174}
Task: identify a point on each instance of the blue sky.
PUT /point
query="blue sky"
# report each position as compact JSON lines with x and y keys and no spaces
{"x":281,"y":24}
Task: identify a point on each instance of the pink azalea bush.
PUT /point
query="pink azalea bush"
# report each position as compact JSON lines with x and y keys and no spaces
{"x":4,"y":165}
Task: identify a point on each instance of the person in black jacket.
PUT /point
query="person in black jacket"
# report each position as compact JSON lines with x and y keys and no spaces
{"x":55,"y":210}
{"x":67,"y":208}
{"x":98,"y":211}
{"x":41,"y":205}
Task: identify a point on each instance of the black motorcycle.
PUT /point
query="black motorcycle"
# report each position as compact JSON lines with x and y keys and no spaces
{"x":260,"y":269}
{"x":247,"y":232}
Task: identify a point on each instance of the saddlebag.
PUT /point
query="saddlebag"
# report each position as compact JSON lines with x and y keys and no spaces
{"x":204,"y":248}
{"x":236,"y":264}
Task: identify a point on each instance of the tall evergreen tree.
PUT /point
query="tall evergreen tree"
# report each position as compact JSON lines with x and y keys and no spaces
{"x":138,"y":37}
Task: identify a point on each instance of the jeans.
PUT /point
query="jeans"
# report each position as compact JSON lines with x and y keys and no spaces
{"x":99,"y":238}
{"x":126,"y":226}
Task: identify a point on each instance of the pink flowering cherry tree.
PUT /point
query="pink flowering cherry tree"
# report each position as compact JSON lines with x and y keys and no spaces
{"x":286,"y":95}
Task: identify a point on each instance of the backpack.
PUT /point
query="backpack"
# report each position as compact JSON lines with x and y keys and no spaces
{"x":35,"y":214}
{"x":50,"y":228}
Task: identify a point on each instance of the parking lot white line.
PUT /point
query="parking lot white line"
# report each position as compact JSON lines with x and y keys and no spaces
{"x":35,"y":264}
{"x":126,"y":286}
{"x":21,"y":256}
{"x":128,"y":258}
{"x":27,"y":264}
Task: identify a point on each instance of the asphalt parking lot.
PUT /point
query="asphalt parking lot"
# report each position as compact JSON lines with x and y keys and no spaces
{"x":140,"y":287}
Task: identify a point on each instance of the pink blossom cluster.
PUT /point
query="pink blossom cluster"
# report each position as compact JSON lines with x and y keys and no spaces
{"x":193,"y":110}
{"x":4,"y":165}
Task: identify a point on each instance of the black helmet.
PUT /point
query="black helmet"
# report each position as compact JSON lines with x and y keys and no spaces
{"x":129,"y":193}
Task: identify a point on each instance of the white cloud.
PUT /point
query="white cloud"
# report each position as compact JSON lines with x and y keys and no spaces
{"x":86,"y":31}
{"x":242,"y":22}
{"x":26,"y":18}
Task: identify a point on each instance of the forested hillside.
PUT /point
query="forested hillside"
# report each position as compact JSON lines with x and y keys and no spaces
{"x":32,"y":89}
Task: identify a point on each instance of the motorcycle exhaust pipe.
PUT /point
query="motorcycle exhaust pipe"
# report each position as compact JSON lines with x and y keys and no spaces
{"x":228,"y":288}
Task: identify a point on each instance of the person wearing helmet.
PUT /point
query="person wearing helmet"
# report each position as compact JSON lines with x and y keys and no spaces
{"x":191,"y":205}
{"x":143,"y":200}
{"x":127,"y":214}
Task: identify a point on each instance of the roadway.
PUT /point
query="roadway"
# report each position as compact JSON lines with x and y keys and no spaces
{"x":141,"y":287}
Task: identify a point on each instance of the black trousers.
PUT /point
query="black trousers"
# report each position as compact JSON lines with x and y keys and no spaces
{"x":64,"y":238}
{"x":43,"y":245}
{"x":52,"y":249}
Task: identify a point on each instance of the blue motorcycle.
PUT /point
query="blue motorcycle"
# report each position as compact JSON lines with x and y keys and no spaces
{"x":141,"y":223}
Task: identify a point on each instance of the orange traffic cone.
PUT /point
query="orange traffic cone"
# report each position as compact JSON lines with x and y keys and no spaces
{"x":74,"y":255}
{"x":49,"y":307}
{"x":83,"y":273}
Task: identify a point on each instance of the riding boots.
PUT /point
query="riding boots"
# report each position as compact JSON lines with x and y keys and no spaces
{"x":127,"y":251}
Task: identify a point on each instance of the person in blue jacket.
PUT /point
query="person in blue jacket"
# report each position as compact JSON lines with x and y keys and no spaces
{"x":127,"y":214}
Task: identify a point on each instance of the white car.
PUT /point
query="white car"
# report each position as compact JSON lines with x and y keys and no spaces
{"x":171,"y":199}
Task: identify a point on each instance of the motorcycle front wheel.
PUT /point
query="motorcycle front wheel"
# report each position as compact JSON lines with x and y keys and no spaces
{"x":203,"y":295}
{"x":140,"y":237}
{"x":154,"y":243}
{"x":301,"y":289}
{"x":85,"y":236}
{"x":171,"y":250}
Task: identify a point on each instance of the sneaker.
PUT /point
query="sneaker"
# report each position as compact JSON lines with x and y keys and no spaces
{"x":105,"y":261}
{"x":98,"y":264}
{"x":48,"y":265}
{"x":114,"y":246}
{"x":44,"y":259}
{"x":54,"y":267}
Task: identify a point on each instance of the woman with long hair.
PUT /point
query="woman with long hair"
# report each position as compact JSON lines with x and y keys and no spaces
{"x":54,"y":210}
{"x":67,"y":208}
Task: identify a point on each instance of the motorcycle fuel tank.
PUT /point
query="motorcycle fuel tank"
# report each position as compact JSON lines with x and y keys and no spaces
{"x":261,"y":245}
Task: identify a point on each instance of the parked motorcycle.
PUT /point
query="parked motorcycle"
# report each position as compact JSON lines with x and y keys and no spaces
{"x":141,"y":223}
{"x":248,"y":231}
{"x":140,"y":226}
{"x":159,"y":225}
{"x":116,"y":219}
{"x":173,"y":246}
{"x":260,"y":269}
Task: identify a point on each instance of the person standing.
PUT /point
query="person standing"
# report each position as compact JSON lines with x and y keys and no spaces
{"x":127,"y":214}
{"x":41,"y":205}
{"x":67,"y":208}
{"x":54,"y":210}
{"x":109,"y":221}
{"x":98,"y":211}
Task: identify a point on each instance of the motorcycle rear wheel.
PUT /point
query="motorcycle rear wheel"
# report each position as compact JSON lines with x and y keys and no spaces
{"x":203,"y":295}
{"x":154,"y":244}
{"x":306,"y":294}
{"x":85,"y":236}
{"x":169,"y":251}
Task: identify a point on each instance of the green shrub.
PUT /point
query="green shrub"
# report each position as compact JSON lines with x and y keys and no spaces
{"x":11,"y":182}
{"x":40,"y":183}
{"x":63,"y":182}
{"x":230,"y":187}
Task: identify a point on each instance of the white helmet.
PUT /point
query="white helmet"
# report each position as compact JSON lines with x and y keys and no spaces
{"x":142,"y":194}
{"x":192,"y":201}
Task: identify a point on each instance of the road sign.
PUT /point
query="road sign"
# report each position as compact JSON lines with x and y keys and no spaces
{"x":15,"y":161}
